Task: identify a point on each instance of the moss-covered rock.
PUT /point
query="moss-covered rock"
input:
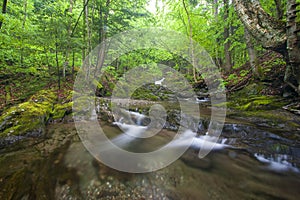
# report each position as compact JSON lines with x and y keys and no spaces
{"x":61,"y":110}
{"x":253,"y":103}
{"x":29,"y":117}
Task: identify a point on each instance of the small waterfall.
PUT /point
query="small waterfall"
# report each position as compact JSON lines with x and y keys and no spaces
{"x":202,"y":142}
{"x":132,"y":130}
{"x":278,"y":162}
{"x":138,"y":116}
{"x":159,"y":82}
{"x":202,"y":99}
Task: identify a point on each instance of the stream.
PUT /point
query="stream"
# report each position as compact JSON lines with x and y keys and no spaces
{"x":249,"y":161}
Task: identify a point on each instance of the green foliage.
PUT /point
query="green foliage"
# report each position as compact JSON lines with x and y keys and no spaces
{"x":244,"y":73}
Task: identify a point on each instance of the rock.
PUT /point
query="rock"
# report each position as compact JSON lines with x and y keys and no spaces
{"x":28,"y":118}
{"x":61,"y":110}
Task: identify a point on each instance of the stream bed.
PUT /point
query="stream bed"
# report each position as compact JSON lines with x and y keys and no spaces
{"x":251,"y":162}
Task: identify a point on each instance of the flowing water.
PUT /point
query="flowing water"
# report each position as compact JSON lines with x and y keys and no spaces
{"x":240,"y":166}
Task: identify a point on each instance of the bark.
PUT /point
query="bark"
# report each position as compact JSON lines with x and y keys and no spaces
{"x":293,"y":45}
{"x":274,"y":34}
{"x":279,"y":9}
{"x":102,"y":35}
{"x":190,"y":32}
{"x":266,"y":30}
{"x":251,"y":54}
{"x":227,"y":43}
{"x":218,"y":60}
{"x":4,"y":6}
{"x":88,"y":29}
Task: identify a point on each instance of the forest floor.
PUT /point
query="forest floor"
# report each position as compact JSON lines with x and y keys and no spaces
{"x":17,"y":88}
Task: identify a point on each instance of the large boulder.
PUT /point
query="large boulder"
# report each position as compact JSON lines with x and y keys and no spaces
{"x":28,"y":118}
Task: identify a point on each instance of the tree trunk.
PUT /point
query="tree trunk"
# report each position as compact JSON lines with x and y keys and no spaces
{"x":102,"y":34}
{"x":216,"y":14}
{"x":84,"y":30}
{"x":266,"y":30}
{"x":23,"y":28}
{"x":88,"y":29}
{"x":190,"y":32}
{"x":293,"y":45}
{"x":68,"y":48}
{"x":4,"y":6}
{"x":279,"y":9}
{"x":226,"y":36}
{"x":251,"y":54}
{"x":56,"y":59}
{"x":274,"y":34}
{"x":73,"y":64}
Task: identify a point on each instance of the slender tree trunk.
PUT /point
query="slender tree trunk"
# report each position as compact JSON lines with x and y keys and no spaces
{"x":73,"y":64}
{"x":68,"y":48}
{"x":251,"y":54}
{"x":226,"y":37}
{"x":88,"y":29}
{"x":4,"y":6}
{"x":216,"y":15}
{"x":23,"y":28}
{"x":279,"y":9}
{"x":56,"y":59}
{"x":47,"y":59}
{"x":102,"y":34}
{"x":190,"y":32}
{"x":84,"y":30}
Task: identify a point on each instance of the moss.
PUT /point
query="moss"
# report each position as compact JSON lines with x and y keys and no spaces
{"x":252,"y":89}
{"x":252,"y":103}
{"x":8,"y":96}
{"x":61,"y":110}
{"x":29,"y":116}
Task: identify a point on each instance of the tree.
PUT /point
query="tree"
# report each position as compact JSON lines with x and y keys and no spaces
{"x":227,"y":43}
{"x":275,"y":34}
{"x":251,"y":54}
{"x":4,"y":6}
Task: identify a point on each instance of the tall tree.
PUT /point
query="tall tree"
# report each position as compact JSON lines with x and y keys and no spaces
{"x":227,"y":43}
{"x":251,"y":54}
{"x":190,"y":33}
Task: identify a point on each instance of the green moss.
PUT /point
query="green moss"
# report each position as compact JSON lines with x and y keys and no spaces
{"x":29,"y":116}
{"x":61,"y":110}
{"x":252,"y":103}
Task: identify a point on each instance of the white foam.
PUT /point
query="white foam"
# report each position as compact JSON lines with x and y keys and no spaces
{"x":202,"y":100}
{"x":203,"y":142}
{"x":139,"y":117}
{"x":279,"y":163}
{"x":159,"y":82}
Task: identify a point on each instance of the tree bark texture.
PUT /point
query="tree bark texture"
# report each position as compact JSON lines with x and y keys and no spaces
{"x":251,"y":54}
{"x":274,"y":34}
{"x":266,"y":30}
{"x":293,"y":48}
